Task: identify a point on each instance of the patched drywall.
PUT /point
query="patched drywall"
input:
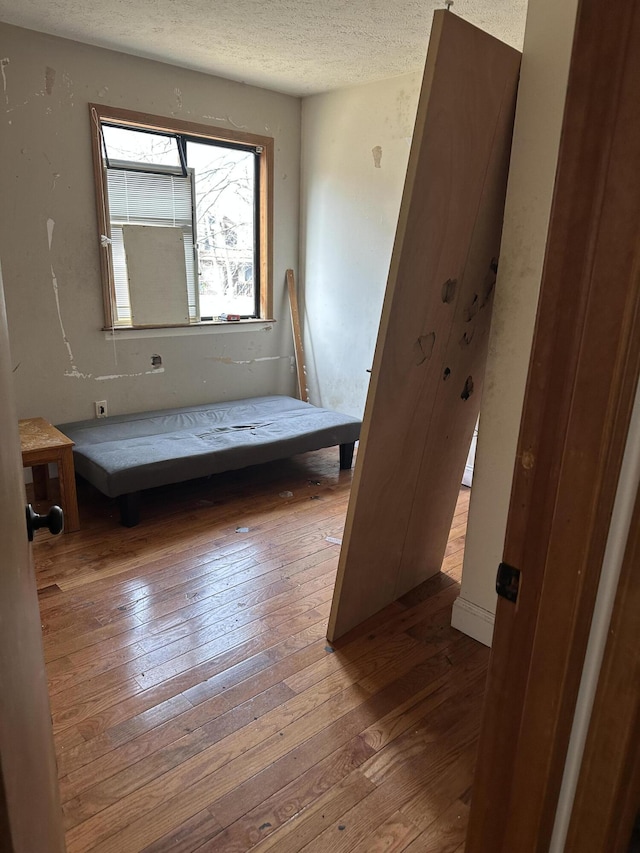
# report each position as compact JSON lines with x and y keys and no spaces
{"x":49,"y":243}
{"x":355,"y":145}
{"x":541,"y":97}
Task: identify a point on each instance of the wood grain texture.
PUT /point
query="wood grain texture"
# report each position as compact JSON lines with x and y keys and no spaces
{"x":582,"y":380}
{"x":608,"y":792}
{"x":197,"y":703}
{"x":29,"y":798}
{"x":303,"y":392}
{"x":428,"y":370}
{"x":41,"y":444}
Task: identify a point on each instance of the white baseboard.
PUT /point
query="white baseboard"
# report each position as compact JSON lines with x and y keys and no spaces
{"x":467,"y":478}
{"x":472,"y":620}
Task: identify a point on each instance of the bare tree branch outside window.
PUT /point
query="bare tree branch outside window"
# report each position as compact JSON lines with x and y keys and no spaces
{"x":224,"y":211}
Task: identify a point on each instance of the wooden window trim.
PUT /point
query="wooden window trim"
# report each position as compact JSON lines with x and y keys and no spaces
{"x":99,"y":113}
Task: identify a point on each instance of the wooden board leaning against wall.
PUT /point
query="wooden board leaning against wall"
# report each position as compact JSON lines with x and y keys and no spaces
{"x":428,"y":369}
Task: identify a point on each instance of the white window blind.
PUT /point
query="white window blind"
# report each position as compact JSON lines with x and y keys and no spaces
{"x":149,"y":198}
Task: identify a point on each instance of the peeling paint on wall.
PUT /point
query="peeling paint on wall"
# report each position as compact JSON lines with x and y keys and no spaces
{"x":76,"y":374}
{"x":54,"y":281}
{"x":227,"y":360}
{"x":129,"y":375}
{"x":49,"y":79}
{"x":50,"y":226}
{"x":64,"y":390}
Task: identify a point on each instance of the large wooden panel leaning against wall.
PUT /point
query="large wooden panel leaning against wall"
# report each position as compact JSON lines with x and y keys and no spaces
{"x":430,"y":356}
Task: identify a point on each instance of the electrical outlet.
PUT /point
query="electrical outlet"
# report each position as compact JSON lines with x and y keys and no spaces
{"x":101,"y":408}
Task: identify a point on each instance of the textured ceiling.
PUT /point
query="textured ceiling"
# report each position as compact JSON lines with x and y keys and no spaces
{"x":295,"y":46}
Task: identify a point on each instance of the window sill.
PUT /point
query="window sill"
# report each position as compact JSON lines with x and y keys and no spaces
{"x":213,"y":327}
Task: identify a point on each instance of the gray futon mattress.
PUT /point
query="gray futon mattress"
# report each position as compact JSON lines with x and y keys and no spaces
{"x":127,"y":453}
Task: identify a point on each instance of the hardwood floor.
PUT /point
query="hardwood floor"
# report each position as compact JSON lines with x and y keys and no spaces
{"x":197,"y":705}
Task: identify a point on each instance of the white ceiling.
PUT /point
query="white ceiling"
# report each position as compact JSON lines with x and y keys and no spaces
{"x":295,"y":46}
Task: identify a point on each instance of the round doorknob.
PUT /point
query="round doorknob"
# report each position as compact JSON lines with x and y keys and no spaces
{"x":53,"y":521}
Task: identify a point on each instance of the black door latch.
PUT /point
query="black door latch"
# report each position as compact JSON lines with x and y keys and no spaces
{"x":508,"y":582}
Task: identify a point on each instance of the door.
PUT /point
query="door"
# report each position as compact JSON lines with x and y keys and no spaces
{"x":580,"y":390}
{"x":30,"y":816}
{"x":607,"y":797}
{"x":428,"y":370}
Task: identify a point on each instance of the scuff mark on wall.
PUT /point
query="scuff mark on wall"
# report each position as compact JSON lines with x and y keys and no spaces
{"x":68,"y":82}
{"x":377,"y":155}
{"x":3,"y":64}
{"x":239,"y":126}
{"x":77,"y":374}
{"x":178,"y":94}
{"x":49,"y":79}
{"x":54,"y":282}
{"x":129,"y":375}
{"x":227,"y":360}
{"x":117,"y":376}
{"x":56,"y":175}
{"x":103,"y":91}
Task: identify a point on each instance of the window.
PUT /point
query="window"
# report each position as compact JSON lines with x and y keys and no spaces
{"x":184,"y":218}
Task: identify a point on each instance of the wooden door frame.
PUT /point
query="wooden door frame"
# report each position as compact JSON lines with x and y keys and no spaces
{"x":582,"y":380}
{"x":608,"y":792}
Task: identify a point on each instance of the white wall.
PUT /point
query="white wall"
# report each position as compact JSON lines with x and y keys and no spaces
{"x":355,"y":149}
{"x":63,"y":361}
{"x":541,"y":97}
